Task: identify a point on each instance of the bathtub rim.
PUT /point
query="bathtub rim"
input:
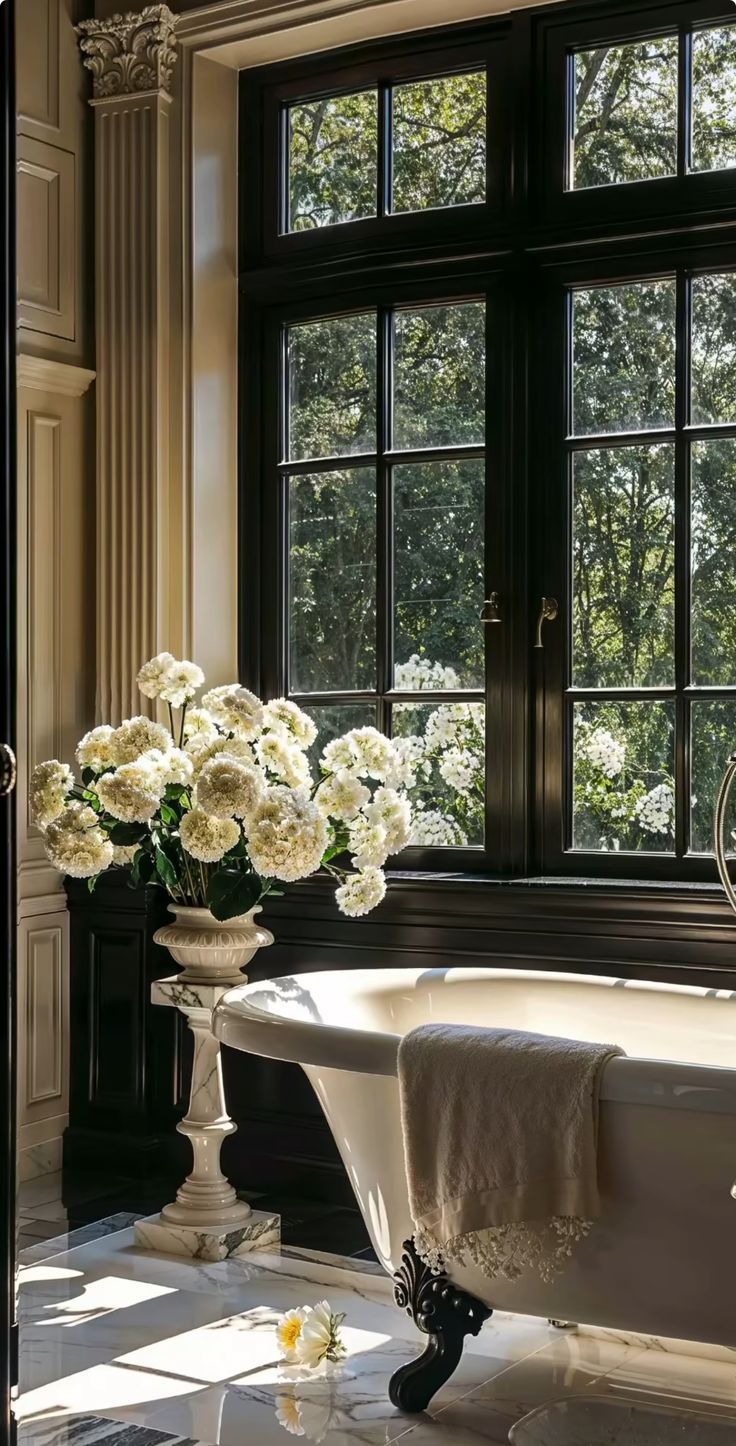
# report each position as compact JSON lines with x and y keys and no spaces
{"x":633,"y":1079}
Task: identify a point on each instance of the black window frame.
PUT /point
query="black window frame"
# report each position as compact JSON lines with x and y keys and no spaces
{"x":525,"y":246}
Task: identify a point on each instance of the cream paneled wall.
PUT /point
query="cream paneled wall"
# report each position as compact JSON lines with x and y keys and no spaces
{"x":56,"y":526}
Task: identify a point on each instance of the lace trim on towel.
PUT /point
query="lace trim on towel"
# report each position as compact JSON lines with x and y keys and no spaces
{"x":507,"y":1250}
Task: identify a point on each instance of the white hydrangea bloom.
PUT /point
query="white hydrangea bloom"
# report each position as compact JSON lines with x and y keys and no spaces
{"x":361,"y":892}
{"x":282,"y":757}
{"x":340,"y":753}
{"x":76,"y":845}
{"x":656,"y":810}
{"x":419,"y":673}
{"x":123,"y":854}
{"x":136,"y":736}
{"x":341,"y":795}
{"x":177,"y":766}
{"x":200,"y":750}
{"x":432,"y":829}
{"x":412,"y":760}
{"x":287,"y":835}
{"x":181,"y":683}
{"x":133,"y":793}
{"x":229,"y":788}
{"x":368,"y":842}
{"x":50,"y":783}
{"x":199,"y":723}
{"x":283,"y":715}
{"x":236,"y":709}
{"x":97,"y":749}
{"x":393,"y":811}
{"x":153,"y":675}
{"x":376,"y":755}
{"x":206,"y":838}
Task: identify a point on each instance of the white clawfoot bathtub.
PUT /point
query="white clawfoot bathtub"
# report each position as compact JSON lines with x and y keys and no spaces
{"x":662,"y":1257}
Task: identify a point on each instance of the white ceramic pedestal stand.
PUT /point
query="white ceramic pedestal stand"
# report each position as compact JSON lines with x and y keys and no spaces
{"x":207,"y":1220}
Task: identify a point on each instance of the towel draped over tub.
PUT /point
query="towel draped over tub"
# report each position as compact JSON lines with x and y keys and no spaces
{"x":500,"y":1134}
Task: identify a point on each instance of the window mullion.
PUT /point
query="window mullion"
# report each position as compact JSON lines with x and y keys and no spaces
{"x":682,"y":568}
{"x":384,"y":519}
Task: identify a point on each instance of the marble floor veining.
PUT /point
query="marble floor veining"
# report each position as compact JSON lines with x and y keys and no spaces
{"x":121,"y":1347}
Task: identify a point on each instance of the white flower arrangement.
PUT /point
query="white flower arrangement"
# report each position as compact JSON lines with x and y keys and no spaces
{"x":222,"y":805}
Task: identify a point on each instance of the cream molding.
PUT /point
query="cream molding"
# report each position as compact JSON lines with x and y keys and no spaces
{"x":132,"y":53}
{"x":42,"y":375}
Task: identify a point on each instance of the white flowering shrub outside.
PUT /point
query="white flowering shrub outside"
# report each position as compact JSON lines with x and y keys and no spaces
{"x":444,"y":746}
{"x":619,"y":801}
{"x":222,"y":806}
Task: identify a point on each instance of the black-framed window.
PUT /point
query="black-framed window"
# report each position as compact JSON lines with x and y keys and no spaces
{"x":488,"y":348}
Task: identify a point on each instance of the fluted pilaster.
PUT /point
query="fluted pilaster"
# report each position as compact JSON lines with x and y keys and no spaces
{"x":131,"y":59}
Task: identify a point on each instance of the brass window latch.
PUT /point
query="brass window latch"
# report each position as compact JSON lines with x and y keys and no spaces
{"x":547,"y":614}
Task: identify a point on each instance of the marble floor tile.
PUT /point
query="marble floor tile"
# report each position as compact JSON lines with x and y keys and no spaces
{"x":681,"y":1378}
{"x":62,"y":1243}
{"x":93,"y":1431}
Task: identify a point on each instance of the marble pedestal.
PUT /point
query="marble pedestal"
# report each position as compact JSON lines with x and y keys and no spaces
{"x":207,"y":1220}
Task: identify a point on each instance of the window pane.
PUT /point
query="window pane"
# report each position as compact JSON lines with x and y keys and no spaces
{"x":438,"y":573}
{"x":332,"y":387}
{"x":439,"y":375}
{"x":714,"y":348}
{"x":713,"y":740}
{"x":623,"y":791}
{"x":332,"y":581}
{"x":447,"y":743}
{"x":624,"y":566}
{"x":334,"y":719}
{"x":439,"y":142}
{"x":714,"y":99}
{"x":624,"y":357}
{"x":333,"y":160}
{"x":713,"y":533}
{"x":625,"y":113}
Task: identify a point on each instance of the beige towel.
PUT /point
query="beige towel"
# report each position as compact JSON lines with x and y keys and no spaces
{"x":500,"y":1144}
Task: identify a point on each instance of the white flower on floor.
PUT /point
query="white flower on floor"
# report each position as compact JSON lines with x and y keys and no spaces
{"x":97,"y":749}
{"x":320,"y":1338}
{"x":206,"y":838}
{"x":49,"y":784}
{"x":361,"y":892}
{"x":288,"y":1331}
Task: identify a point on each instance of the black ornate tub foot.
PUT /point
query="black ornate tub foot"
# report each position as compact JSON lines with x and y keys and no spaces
{"x":444,"y":1313}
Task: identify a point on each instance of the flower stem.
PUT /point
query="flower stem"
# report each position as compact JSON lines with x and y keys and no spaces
{"x":171,"y":721}
{"x":181,"y":726}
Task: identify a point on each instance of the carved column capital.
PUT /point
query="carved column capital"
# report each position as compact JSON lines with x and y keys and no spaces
{"x":130,"y":53}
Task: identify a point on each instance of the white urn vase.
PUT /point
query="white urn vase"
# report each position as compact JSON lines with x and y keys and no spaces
{"x":211,"y":950}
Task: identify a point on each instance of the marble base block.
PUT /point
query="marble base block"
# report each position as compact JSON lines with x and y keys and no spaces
{"x":208,"y":1243}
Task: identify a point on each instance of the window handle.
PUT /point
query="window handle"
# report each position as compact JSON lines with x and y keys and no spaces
{"x":491,"y":611}
{"x":547,"y":614}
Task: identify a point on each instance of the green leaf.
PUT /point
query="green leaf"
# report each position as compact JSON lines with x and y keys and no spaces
{"x":88,"y":776}
{"x":168,"y":815}
{"x":175,"y":791}
{"x":91,"y":883}
{"x":142,"y":869}
{"x":165,"y":870}
{"x":232,"y":892}
{"x":126,"y":834}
